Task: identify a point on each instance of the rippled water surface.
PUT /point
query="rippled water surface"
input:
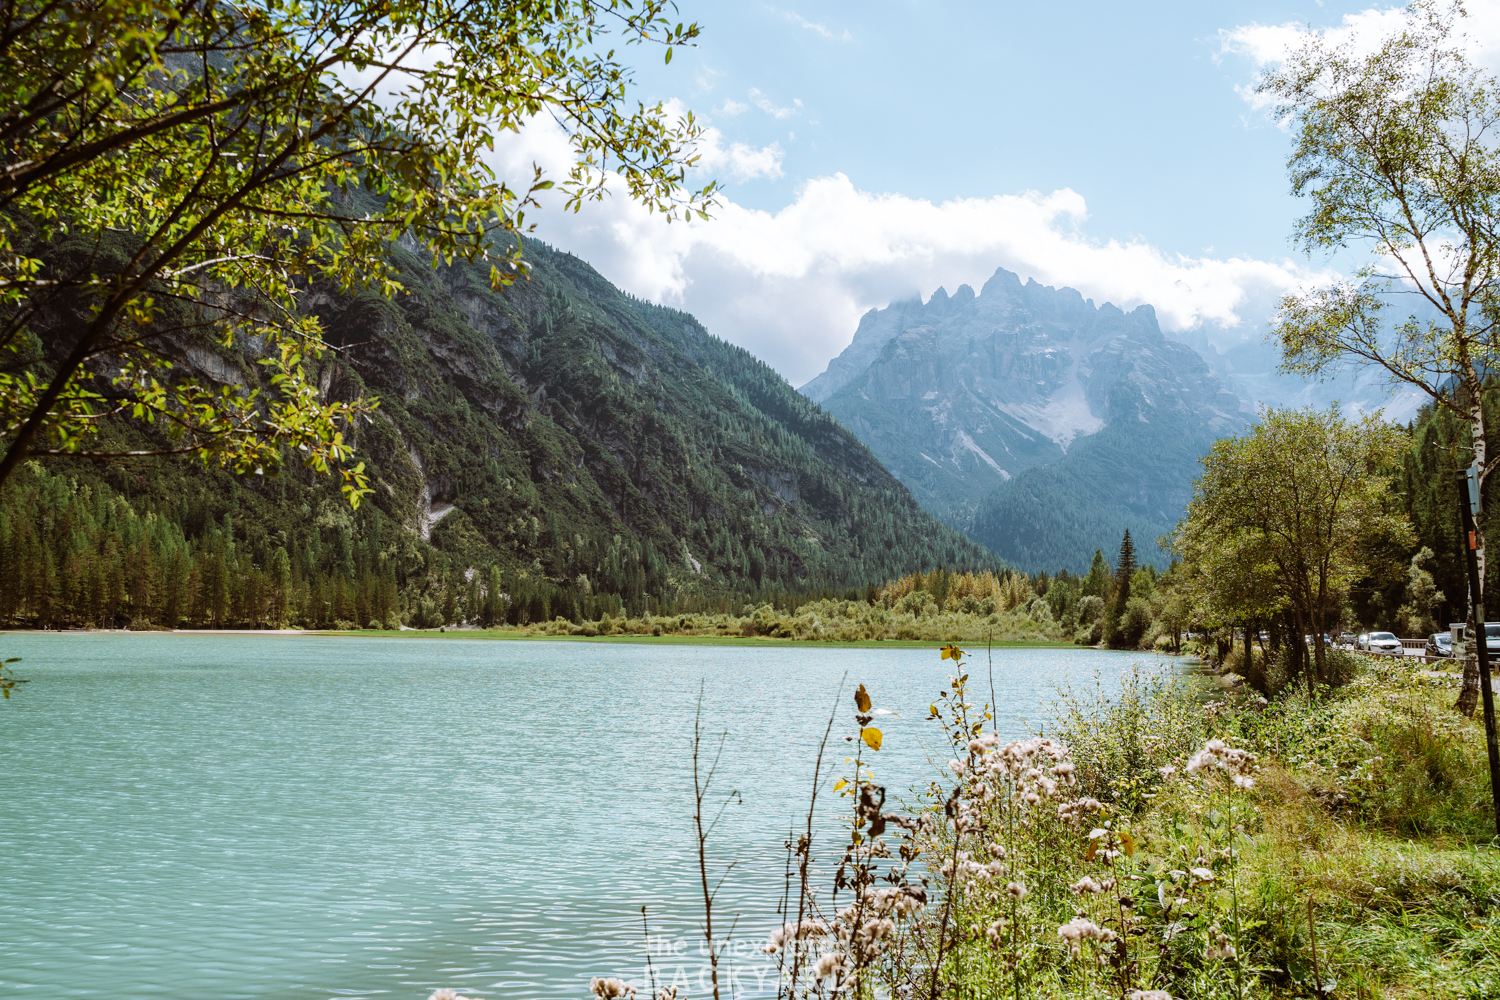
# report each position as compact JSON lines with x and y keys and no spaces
{"x":202,"y":817}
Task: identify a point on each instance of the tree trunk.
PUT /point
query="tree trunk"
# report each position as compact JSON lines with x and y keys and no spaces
{"x":1320,"y":623}
{"x":1468,"y":694}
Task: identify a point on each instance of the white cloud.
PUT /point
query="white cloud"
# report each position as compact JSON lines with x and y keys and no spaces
{"x":769,"y":107}
{"x":1269,"y":44}
{"x":739,"y":161}
{"x":790,"y":285}
{"x":821,"y":29}
{"x":731,"y":108}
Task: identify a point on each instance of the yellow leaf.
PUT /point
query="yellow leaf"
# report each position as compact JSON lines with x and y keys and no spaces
{"x":839,"y":784}
{"x":871,"y":737}
{"x":1093,"y":849}
{"x":1127,"y":843}
{"x":862,"y":699}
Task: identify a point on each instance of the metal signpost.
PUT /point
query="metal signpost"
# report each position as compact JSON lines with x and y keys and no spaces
{"x":1468,"y":507}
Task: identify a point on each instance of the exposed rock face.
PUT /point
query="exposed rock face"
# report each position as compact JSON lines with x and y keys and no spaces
{"x":962,"y":397}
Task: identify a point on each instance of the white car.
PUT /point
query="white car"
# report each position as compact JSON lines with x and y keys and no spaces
{"x":1380,"y":642}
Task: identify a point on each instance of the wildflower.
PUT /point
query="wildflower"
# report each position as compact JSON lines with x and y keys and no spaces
{"x":609,"y":989}
{"x":1243,"y":781}
{"x":1217,"y":755}
{"x":1063,"y":770}
{"x":996,"y":933}
{"x":793,"y":931}
{"x":1086,"y":884}
{"x":1016,"y":890}
{"x":667,"y":993}
{"x":976,"y":746}
{"x":1080,"y":929}
{"x":830,"y":965}
{"x":1032,"y":798}
{"x":1148,"y":995}
{"x":1168,"y":771}
{"x":1202,"y":875}
{"x":957,"y":766}
{"x":998,"y":850}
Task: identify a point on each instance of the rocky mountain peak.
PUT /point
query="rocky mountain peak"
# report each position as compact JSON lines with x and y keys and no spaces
{"x":960,"y":395}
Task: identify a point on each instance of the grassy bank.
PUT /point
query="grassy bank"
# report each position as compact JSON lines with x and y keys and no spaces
{"x":1166,"y":841}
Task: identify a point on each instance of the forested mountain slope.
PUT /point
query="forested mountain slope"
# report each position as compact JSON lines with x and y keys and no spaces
{"x":555,"y":447}
{"x":1037,"y":422}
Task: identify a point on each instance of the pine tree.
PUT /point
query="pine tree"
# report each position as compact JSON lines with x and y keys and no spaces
{"x":1124,"y":570}
{"x":1097,"y":583}
{"x":281,"y":587}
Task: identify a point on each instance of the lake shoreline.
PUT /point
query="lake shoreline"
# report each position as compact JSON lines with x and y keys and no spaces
{"x":514,"y":635}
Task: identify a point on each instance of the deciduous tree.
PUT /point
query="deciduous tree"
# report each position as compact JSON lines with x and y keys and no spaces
{"x":187,"y":172}
{"x":1399,"y":152}
{"x":1281,"y":517}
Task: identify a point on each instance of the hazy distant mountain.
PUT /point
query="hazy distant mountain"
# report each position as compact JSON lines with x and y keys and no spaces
{"x":1250,"y":370}
{"x":1037,"y":422}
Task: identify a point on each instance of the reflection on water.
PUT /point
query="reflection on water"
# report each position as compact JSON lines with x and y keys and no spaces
{"x":306,"y":817}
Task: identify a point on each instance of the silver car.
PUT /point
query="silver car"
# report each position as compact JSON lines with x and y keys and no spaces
{"x":1380,"y":642}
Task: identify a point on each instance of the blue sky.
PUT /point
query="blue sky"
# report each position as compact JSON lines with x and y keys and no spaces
{"x":875,"y":151}
{"x":1132,"y":105}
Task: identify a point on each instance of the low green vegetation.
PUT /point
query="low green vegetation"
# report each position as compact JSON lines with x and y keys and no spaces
{"x":1180,"y":838}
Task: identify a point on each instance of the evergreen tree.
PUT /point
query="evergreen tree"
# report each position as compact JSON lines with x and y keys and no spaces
{"x":1099,"y":579}
{"x":1124,"y":570}
{"x":281,"y":587}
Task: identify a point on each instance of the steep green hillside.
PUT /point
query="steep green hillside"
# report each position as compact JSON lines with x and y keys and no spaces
{"x":554,"y":447}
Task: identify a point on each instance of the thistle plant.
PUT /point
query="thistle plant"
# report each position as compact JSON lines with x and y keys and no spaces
{"x":1007,"y":879}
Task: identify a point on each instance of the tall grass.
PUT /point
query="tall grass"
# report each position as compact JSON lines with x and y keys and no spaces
{"x":1164,"y":840}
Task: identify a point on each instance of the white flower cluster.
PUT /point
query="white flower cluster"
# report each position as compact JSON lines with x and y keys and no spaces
{"x":830,"y":965}
{"x":607,"y":988}
{"x":860,"y":932}
{"x":1217,"y":755}
{"x":1087,"y":884}
{"x":894,"y":901}
{"x":1033,"y":770}
{"x":1219,"y":945}
{"x":1081,"y":929}
{"x":794,"y":931}
{"x":976,"y":870}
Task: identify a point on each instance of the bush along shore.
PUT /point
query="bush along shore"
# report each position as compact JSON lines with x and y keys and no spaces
{"x":1176,"y":839}
{"x":938,"y":606}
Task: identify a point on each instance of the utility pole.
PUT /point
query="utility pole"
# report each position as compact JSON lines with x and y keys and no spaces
{"x":1468,"y":512}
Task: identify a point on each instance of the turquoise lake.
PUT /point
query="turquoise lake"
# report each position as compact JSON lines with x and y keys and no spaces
{"x":203,"y":817}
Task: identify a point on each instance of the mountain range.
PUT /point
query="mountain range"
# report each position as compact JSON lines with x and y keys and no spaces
{"x":580,"y":442}
{"x":1037,"y":422}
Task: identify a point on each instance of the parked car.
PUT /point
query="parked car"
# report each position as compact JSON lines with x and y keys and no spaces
{"x":1491,"y":637}
{"x":1346,"y":638}
{"x":1380,"y":642}
{"x":1440,"y":645}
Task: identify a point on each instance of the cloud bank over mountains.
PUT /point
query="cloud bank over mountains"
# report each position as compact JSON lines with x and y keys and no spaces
{"x":790,"y":285}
